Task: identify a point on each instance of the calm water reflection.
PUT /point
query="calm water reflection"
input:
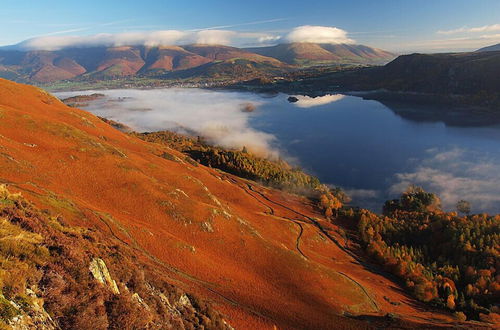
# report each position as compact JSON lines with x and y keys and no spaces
{"x":375,"y":151}
{"x":372,"y":150}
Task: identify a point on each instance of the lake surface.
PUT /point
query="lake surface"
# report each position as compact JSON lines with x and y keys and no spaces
{"x":374,"y":151}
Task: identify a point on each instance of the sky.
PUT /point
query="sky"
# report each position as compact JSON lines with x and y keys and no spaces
{"x":401,"y":26}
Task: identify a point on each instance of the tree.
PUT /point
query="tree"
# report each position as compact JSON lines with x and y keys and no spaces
{"x":464,"y":207}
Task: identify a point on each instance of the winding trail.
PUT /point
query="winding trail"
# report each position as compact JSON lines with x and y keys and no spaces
{"x":249,"y":189}
{"x":374,"y":303}
{"x":324,"y":232}
{"x":204,"y":284}
{"x":273,"y":213}
{"x":110,"y":223}
{"x":312,"y":220}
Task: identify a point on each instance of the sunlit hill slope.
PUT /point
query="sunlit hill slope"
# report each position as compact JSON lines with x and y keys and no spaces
{"x":247,"y":256}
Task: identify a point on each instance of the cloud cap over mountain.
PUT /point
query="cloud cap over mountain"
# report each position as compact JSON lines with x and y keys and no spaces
{"x":318,"y":34}
{"x":306,"y":33}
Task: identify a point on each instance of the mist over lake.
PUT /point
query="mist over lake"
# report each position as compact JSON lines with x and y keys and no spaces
{"x":374,"y":151}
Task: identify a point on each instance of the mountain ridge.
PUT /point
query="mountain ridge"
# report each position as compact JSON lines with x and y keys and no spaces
{"x":309,"y":53}
{"x":464,"y":80}
{"x":41,"y":66}
{"x":492,"y":48}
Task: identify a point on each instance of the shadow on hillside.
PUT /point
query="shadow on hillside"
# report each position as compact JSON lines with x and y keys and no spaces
{"x":449,"y":115}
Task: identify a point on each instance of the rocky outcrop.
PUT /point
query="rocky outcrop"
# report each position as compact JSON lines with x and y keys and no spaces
{"x":33,"y":316}
{"x":100,"y":272}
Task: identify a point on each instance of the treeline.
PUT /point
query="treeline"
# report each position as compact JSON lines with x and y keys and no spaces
{"x":444,"y":259}
{"x":274,"y":173}
{"x":278,"y":173}
{"x":81,"y":100}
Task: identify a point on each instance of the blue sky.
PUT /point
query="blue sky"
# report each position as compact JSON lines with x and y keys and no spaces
{"x":396,"y":25}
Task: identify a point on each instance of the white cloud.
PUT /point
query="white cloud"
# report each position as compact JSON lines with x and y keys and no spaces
{"x":485,"y":28}
{"x":454,"y":175}
{"x":218,"y":116}
{"x":150,"y":38}
{"x":318,"y":34}
{"x":215,"y":37}
{"x":266,"y":39}
{"x":167,"y":37}
{"x":455,"y":40}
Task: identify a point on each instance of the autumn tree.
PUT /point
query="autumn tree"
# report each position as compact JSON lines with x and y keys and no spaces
{"x":445,"y":259}
{"x":464,"y":207}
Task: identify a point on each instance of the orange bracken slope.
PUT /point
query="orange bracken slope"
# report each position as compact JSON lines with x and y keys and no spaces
{"x":256,"y":253}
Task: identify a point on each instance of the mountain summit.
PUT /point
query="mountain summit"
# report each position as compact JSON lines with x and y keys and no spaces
{"x":303,"y":53}
{"x":493,"y":48}
{"x":99,"y":63}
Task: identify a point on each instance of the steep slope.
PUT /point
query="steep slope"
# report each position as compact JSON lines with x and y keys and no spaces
{"x":297,"y":52}
{"x":103,"y":63}
{"x":464,"y":80}
{"x":120,"y":61}
{"x":171,"y":58}
{"x":363,"y":54}
{"x":57,"y":276}
{"x":459,"y":73}
{"x":311,"y":53}
{"x":493,"y":48}
{"x":229,"y":70}
{"x":222,"y":53}
{"x":263,"y":258}
{"x":41,"y":66}
{"x":455,"y":73}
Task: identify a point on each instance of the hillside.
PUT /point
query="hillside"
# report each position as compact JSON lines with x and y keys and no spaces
{"x":463,"y":79}
{"x":493,"y":48}
{"x":55,"y":276}
{"x":254,"y":257}
{"x":106,"y":63}
{"x":311,"y":54}
{"x":228,"y":71}
{"x":100,"y":63}
{"x":460,"y":73}
{"x":222,"y":53}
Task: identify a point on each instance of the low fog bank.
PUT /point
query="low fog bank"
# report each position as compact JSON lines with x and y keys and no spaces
{"x":222,"y":118}
{"x":454,"y":175}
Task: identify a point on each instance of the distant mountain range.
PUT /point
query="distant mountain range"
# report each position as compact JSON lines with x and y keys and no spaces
{"x":99,"y":63}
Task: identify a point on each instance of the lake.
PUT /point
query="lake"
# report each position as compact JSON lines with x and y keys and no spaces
{"x":374,"y":151}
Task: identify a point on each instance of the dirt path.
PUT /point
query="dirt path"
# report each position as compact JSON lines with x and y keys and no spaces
{"x":248,"y":188}
{"x":272,"y":212}
{"x":374,"y":303}
{"x":204,"y":284}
